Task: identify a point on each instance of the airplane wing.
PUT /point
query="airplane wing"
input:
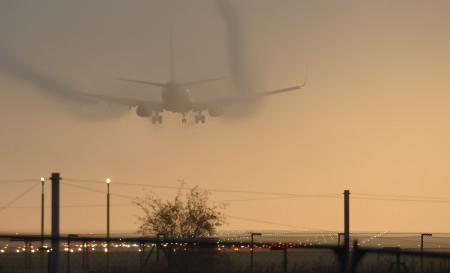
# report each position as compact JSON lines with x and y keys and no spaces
{"x":143,"y":82}
{"x":156,"y":105}
{"x":228,"y":101}
{"x":192,"y":83}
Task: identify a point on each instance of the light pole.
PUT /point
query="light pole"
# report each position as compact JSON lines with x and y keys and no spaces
{"x":42,"y":222}
{"x":421,"y":248}
{"x":252,"y":235}
{"x":42,"y":211}
{"x":108,"y":182}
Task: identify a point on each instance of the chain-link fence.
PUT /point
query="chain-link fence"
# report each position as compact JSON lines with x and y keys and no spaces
{"x":268,"y":253}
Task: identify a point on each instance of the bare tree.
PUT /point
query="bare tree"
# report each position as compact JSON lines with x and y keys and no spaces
{"x":189,"y":215}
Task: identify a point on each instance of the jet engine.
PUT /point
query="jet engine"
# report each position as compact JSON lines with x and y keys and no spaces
{"x":143,"y":112}
{"x":215,"y":112}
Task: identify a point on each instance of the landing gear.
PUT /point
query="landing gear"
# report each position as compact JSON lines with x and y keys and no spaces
{"x":157,"y":118}
{"x":200,"y":118}
{"x":184,"y":120}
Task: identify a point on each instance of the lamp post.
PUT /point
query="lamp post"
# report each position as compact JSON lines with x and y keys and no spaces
{"x":108,"y":182}
{"x":42,"y":222}
{"x":42,"y":210}
{"x":252,"y":235}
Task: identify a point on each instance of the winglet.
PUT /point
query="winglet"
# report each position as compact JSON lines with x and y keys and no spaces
{"x":305,"y":79}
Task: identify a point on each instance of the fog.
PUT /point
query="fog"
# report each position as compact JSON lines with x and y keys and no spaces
{"x":373,"y":117}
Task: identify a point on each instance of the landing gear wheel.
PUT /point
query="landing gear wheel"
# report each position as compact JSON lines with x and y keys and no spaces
{"x":157,"y":119}
{"x":184,"y":120}
{"x":200,"y":118}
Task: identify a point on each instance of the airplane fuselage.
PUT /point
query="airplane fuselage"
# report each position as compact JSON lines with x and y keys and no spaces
{"x":175,"y":98}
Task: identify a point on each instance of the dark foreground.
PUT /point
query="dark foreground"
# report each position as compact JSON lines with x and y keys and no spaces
{"x":20,"y":254}
{"x":210,"y":260}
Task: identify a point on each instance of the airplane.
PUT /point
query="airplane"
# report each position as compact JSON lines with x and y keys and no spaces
{"x":175,"y":97}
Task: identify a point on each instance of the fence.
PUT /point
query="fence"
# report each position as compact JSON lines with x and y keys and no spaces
{"x":20,"y":254}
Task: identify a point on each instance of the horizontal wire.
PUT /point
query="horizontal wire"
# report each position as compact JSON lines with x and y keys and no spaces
{"x":357,"y":196}
{"x":208,"y":189}
{"x":263,"y":199}
{"x":278,"y":224}
{"x":401,"y":196}
{"x":417,"y":241}
{"x":401,"y":200}
{"x":84,"y":181}
{"x":367,"y":196}
{"x":71,"y":206}
{"x":98,"y":191}
{"x":19,"y":181}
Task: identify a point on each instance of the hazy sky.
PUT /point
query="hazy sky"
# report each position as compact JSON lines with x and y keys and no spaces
{"x":374,"y":117}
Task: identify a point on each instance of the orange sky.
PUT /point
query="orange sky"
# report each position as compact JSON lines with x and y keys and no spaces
{"x":373,"y":118}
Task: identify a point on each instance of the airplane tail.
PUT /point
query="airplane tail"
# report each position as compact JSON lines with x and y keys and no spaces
{"x":171,"y":57}
{"x":171,"y":67}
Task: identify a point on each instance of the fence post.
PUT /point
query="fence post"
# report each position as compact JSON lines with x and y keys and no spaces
{"x":252,"y":251}
{"x":141,"y":256}
{"x":85,"y":260}
{"x":421,"y":249}
{"x":169,"y":258}
{"x":27,"y":253}
{"x":68,"y":256}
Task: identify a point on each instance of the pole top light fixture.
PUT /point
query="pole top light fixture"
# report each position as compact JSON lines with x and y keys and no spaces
{"x":108,"y":180}
{"x":42,"y":179}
